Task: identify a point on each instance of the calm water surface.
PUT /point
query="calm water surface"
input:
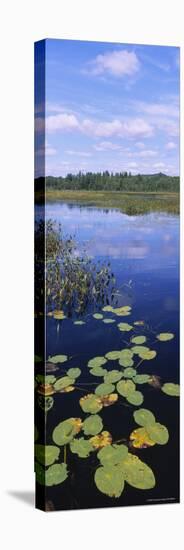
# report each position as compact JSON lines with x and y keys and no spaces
{"x":144,"y":256}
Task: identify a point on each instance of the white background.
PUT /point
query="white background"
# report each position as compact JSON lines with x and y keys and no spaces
{"x":138,"y":21}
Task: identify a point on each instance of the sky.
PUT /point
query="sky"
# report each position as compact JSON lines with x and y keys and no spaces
{"x":110,"y":107}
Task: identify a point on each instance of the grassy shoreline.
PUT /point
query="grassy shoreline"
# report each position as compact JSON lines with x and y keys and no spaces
{"x":128,"y":202}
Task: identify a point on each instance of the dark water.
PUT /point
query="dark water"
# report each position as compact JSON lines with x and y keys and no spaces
{"x":144,"y":256}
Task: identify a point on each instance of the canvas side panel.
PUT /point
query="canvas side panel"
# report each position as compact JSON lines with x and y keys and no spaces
{"x":39,"y":186}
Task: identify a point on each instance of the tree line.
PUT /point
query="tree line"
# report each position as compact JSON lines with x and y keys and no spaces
{"x":120,"y":181}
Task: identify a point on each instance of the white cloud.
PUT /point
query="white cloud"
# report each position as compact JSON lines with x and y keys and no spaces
{"x":147,"y":153}
{"x":140,"y":145}
{"x":78,"y":153}
{"x":107,"y":146}
{"x":157,"y":109}
{"x":128,"y":128}
{"x":159,"y":165}
{"x":117,"y":63}
{"x":170,"y":145}
{"x":61,"y":122}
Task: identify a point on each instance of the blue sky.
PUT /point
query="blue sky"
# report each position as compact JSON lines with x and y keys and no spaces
{"x":111,"y":107}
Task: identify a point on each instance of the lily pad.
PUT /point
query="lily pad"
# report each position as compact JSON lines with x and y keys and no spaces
{"x":97,"y":362}
{"x":58,"y":359}
{"x":111,"y":455}
{"x":171,"y":389}
{"x":45,"y":379}
{"x":158,"y":433}
{"x":141,"y":378}
{"x":108,"y":321}
{"x":74,"y":373}
{"x":112,"y":376}
{"x":107,"y":308}
{"x":135,"y":398}
{"x":137,"y":473}
{"x":138,"y":340}
{"x":144,"y":417}
{"x":125,"y":387}
{"x":59,"y":315}
{"x":101,"y":440}
{"x":108,"y":400}
{"x":165,"y":336}
{"x":140,"y":439}
{"x":124,"y":327}
{"x":113,"y":355}
{"x":45,"y":403}
{"x":147,"y":356}
{"x":63,"y":383}
{"x":90,"y":403}
{"x":139,"y":349}
{"x":66,"y":430}
{"x":123,"y":362}
{"x":79,"y":323}
{"x":45,"y":389}
{"x":98,"y":316}
{"x":82,"y":447}
{"x":47,"y":454}
{"x":104,"y":389}
{"x":122,"y":311}
{"x":92,"y":425}
{"x":129,"y":373}
{"x":109,"y":481}
{"x":98,"y":371}
{"x":56,"y":474}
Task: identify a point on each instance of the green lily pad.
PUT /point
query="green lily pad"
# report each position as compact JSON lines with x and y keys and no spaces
{"x":122,"y":311}
{"x":45,"y":379}
{"x":148,"y":355}
{"x":129,"y":373}
{"x":126,"y":362}
{"x":137,"y":473}
{"x":112,"y":377}
{"x":97,"y":362}
{"x":82,"y":447}
{"x":125,"y":387}
{"x":144,"y":417}
{"x":108,"y":321}
{"x":141,"y":378}
{"x":63,"y":383}
{"x":138,"y":349}
{"x":158,"y":433}
{"x":65,"y":431}
{"x":124,"y":327}
{"x":58,"y":359}
{"x":111,"y":455}
{"x":104,"y":389}
{"x":171,"y":389}
{"x":113,"y":355}
{"x":107,"y":308}
{"x":98,"y":371}
{"x":79,"y":323}
{"x":98,"y":316}
{"x":56,"y":474}
{"x":93,"y":425}
{"x":165,"y":336}
{"x":109,"y":481}
{"x":90,"y":403}
{"x":45,"y":403}
{"x":47,"y":454}
{"x":138,"y":339}
{"x":135,"y":398}
{"x":74,"y":373}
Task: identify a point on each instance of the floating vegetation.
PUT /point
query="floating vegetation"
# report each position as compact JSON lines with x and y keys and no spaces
{"x":115,"y":463}
{"x":171,"y":389}
{"x":165,"y":336}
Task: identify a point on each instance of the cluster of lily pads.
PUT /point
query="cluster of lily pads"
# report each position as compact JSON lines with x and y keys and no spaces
{"x":120,"y":380}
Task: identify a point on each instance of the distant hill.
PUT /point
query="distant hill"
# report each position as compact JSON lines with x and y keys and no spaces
{"x":106,"y":181}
